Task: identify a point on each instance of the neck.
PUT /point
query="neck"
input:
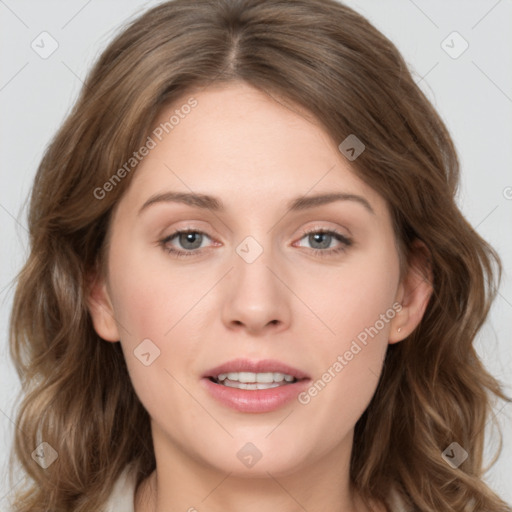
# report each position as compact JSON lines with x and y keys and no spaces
{"x":184,"y":483}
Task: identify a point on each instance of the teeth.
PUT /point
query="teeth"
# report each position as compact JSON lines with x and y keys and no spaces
{"x":252,"y":386}
{"x":255,"y":378}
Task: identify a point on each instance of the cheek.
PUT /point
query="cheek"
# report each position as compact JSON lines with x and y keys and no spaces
{"x":151,"y":291}
{"x":153,"y":304}
{"x":357,"y":305}
{"x":353,"y":296}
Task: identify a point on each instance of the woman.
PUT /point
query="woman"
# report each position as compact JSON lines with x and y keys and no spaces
{"x":249,"y":284}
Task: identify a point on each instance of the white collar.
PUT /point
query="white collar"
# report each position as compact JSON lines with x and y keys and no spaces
{"x":122,"y":497}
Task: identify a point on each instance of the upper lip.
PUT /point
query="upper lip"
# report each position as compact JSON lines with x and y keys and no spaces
{"x":262,"y":366}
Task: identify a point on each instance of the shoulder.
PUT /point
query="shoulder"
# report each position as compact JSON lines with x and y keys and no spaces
{"x":123,"y":493}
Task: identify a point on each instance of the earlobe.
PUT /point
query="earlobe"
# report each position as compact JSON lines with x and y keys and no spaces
{"x":101,"y":310}
{"x":413,"y":293}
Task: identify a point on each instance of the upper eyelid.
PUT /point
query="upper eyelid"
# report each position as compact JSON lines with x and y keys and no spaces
{"x":325,"y":230}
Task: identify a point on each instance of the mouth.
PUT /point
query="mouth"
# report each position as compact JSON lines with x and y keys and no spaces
{"x":247,"y":374}
{"x":254,"y":386}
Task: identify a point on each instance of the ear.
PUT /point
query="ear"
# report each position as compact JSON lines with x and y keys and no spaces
{"x":413,"y":292}
{"x":101,"y":309}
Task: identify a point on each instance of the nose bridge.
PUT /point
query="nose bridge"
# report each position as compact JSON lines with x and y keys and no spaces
{"x":256,"y":298}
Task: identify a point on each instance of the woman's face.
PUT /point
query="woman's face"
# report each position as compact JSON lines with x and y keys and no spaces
{"x":259,"y":289}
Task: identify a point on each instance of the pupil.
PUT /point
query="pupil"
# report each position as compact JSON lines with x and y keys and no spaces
{"x":316,"y":236}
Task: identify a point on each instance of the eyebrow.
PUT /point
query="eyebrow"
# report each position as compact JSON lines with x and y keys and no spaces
{"x":212,"y":203}
{"x":302,"y":203}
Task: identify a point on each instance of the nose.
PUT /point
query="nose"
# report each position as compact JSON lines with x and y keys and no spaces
{"x":256,"y":299}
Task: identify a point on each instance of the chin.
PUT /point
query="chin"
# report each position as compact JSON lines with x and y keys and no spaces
{"x":257,"y":458}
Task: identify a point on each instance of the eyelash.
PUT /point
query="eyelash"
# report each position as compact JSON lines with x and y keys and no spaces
{"x":345,"y":241}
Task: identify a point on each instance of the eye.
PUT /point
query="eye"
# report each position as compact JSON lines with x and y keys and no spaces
{"x":191,"y":242}
{"x":190,"y":239}
{"x":321,"y":240}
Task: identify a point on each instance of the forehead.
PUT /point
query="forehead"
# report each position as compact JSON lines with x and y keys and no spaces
{"x":241,"y":144}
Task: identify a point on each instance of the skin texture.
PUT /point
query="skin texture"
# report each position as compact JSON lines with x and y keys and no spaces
{"x":290,"y":304}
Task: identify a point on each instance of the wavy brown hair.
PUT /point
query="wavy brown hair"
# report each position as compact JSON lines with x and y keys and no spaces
{"x":328,"y":59}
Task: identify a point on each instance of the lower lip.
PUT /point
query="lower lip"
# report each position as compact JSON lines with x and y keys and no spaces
{"x":257,"y":400}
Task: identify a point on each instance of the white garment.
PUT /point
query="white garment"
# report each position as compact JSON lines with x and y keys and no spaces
{"x":122,"y":498}
{"x":123,"y":495}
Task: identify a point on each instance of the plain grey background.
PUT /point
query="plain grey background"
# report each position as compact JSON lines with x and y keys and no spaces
{"x":471,"y":89}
